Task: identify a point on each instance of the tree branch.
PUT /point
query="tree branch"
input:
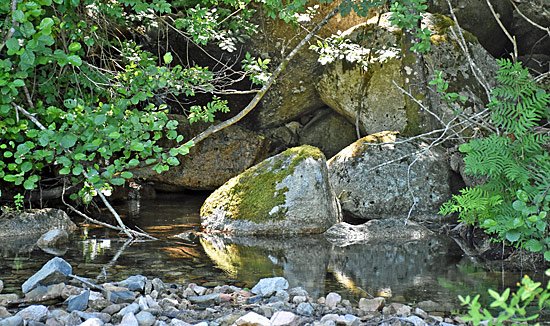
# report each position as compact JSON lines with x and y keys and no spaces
{"x":14,"y":22}
{"x":215,"y":128}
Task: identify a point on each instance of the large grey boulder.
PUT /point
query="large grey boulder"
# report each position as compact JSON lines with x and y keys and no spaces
{"x":288,"y":193}
{"x":54,"y":271}
{"x":35,"y":222}
{"x":211,"y":162}
{"x":378,"y":104}
{"x":269,"y":286}
{"x":379,"y":175}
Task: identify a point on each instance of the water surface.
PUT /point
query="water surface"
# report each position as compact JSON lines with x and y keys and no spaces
{"x":405,"y":272}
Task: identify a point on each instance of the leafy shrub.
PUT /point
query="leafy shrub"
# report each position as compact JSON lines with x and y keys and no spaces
{"x":514,"y":203}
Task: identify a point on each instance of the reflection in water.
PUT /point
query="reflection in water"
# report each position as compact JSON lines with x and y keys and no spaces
{"x":408,"y":272}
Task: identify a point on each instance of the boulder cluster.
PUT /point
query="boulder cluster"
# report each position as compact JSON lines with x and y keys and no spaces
{"x":55,"y":297}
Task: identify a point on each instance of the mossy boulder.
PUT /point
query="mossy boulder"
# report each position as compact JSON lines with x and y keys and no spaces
{"x":288,"y":193}
{"x":372,"y":98}
{"x":378,"y":176}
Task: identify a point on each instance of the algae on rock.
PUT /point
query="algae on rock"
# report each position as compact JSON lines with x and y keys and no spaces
{"x":287,"y":193}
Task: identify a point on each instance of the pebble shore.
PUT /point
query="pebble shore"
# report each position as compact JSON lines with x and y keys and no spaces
{"x":138,"y":301}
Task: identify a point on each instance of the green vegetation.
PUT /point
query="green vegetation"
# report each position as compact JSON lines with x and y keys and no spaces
{"x":516,"y":308}
{"x":514,"y":203}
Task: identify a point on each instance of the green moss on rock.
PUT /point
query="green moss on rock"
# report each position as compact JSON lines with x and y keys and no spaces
{"x":253,"y":194}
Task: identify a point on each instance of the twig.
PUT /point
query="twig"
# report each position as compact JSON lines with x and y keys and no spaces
{"x":88,"y":283}
{"x":213,"y":129}
{"x":510,"y":37}
{"x":114,"y":259}
{"x":546,"y":29}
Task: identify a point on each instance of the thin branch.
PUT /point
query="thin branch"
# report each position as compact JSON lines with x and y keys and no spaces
{"x":213,"y":129}
{"x":546,"y":29}
{"x":503,"y":28}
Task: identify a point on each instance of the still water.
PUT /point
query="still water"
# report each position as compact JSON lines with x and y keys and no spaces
{"x":406,"y":272}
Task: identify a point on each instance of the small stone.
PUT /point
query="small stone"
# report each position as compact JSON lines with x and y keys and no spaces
{"x":304,"y":308}
{"x":202,"y":323}
{"x":386,"y":311}
{"x":53,"y":238}
{"x":99,"y":304}
{"x":112,"y":309}
{"x":267,"y":286}
{"x":282,"y":295}
{"x":158,"y":285}
{"x":420,"y":313}
{"x":142,"y":302}
{"x":145,"y":318}
{"x":371,"y":305}
{"x":132,"y":308}
{"x":332,"y":300}
{"x":1,"y":286}
{"x":129,"y":320}
{"x":400,"y":309}
{"x":321,"y":300}
{"x":5,"y":299}
{"x":79,"y":302}
{"x":12,"y":321}
{"x":283,"y":318}
{"x":134,"y":283}
{"x":208,"y":299}
{"x":151,"y":302}
{"x":298,"y":291}
{"x":415,"y":320}
{"x":148,"y":287}
{"x":252,"y":319}
{"x":53,"y":322}
{"x":92,"y":322}
{"x":53,"y":272}
{"x":199,"y":290}
{"x":34,"y":313}
{"x":69,"y":290}
{"x":4,"y":313}
{"x":121,"y":296}
{"x":177,"y":322}
{"x":299,"y":299}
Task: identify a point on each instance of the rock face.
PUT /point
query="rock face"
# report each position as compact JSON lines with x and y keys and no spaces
{"x":381,"y":105}
{"x":328,"y":131}
{"x":369,"y":188}
{"x":476,"y":17}
{"x":35,"y":222}
{"x":53,"y":238}
{"x":294,"y":94}
{"x":211,"y":162}
{"x":286,"y":194}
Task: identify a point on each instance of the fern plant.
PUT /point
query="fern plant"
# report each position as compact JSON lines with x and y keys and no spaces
{"x":514,"y":202}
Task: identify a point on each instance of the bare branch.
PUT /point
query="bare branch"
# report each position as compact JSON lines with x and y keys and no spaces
{"x":14,"y":22}
{"x":213,"y":129}
{"x":510,"y":37}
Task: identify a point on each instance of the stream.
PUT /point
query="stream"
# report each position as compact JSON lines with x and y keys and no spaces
{"x":412,"y":272}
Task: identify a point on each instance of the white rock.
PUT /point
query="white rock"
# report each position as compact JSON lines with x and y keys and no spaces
{"x":281,"y":318}
{"x":252,"y":319}
{"x":129,"y":319}
{"x":267,"y":286}
{"x":92,"y":322}
{"x":332,"y":300}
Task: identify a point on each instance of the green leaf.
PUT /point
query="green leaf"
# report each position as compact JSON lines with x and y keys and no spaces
{"x":136,"y":146}
{"x":127,"y":174}
{"x":28,"y":57}
{"x":46,"y":25}
{"x":19,"y":16}
{"x":513,"y":235}
{"x":118,"y":181}
{"x":13,"y":44}
{"x":68,"y":141}
{"x":65,"y":170}
{"x":26,"y":166}
{"x":547,"y":255}
{"x":75,"y":46}
{"x":74,"y":60}
{"x":533,"y":245}
{"x":18,"y":83}
{"x":99,"y":120}
{"x":29,"y":184}
{"x":167,"y":58}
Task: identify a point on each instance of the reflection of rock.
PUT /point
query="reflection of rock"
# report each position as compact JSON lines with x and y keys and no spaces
{"x":394,"y":268}
{"x":286,"y":194}
{"x":379,"y":231}
{"x":301,"y":260}
{"x":369,"y":188}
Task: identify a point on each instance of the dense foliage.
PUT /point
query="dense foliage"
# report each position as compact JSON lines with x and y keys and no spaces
{"x":83,"y":102}
{"x":514,"y":203}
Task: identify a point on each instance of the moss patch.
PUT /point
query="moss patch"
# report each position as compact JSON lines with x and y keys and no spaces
{"x":252,"y":195}
{"x":441,"y":33}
